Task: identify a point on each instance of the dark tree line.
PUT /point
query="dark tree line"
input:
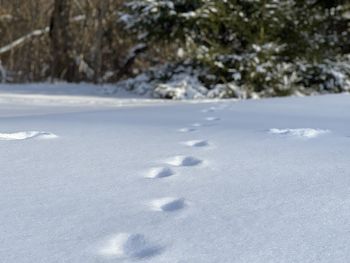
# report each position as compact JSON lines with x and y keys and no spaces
{"x":247,"y":47}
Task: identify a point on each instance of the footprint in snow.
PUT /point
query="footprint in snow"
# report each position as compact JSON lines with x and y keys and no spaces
{"x":197,"y":124}
{"x":185,"y":130}
{"x":167,"y":204}
{"x":159,"y":172}
{"x":196,"y":143}
{"x":24,"y":135}
{"x":212,"y":119}
{"x":181,"y":160}
{"x":133,"y":246}
{"x":211,"y":109}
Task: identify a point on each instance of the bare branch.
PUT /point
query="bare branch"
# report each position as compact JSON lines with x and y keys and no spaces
{"x":21,"y":40}
{"x":35,"y":33}
{"x":7,"y":17}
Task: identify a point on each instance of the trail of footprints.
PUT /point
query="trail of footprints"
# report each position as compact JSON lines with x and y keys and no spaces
{"x":136,"y":246}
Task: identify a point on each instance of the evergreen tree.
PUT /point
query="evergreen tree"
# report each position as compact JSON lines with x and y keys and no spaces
{"x":265,"y":46}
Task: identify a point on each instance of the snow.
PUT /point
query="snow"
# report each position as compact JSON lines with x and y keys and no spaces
{"x":118,"y":184}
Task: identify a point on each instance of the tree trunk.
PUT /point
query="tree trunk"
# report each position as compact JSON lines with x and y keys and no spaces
{"x":62,"y":66}
{"x":100,"y":16}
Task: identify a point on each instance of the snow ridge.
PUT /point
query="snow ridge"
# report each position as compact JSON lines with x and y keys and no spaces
{"x":299,"y":133}
{"x":24,"y":135}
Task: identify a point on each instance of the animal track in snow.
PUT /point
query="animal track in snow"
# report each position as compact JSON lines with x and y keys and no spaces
{"x":197,"y":124}
{"x":160,"y":172}
{"x":187,"y":130}
{"x":167,"y":204}
{"x":196,"y":143}
{"x":300,"y":133}
{"x":126,"y":245}
{"x":24,"y":135}
{"x":181,"y":160}
{"x":212,"y":118}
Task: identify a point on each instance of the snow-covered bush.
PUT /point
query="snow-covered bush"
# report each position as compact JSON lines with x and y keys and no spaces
{"x":228,"y":90}
{"x":245,"y":48}
{"x":329,"y":76}
{"x":258,"y":70}
{"x":168,"y":82}
{"x":250,"y":77}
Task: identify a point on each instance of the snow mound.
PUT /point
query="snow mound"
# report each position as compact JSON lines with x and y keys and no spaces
{"x":167,"y":204}
{"x":301,"y":133}
{"x":160,"y":172}
{"x":23,"y":135}
{"x":125,"y":245}
{"x":181,"y":160}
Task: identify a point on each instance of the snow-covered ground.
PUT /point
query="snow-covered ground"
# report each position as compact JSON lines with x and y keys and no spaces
{"x":222,"y":182}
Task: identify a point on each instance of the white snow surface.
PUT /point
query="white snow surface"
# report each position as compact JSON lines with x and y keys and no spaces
{"x":118,"y":184}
